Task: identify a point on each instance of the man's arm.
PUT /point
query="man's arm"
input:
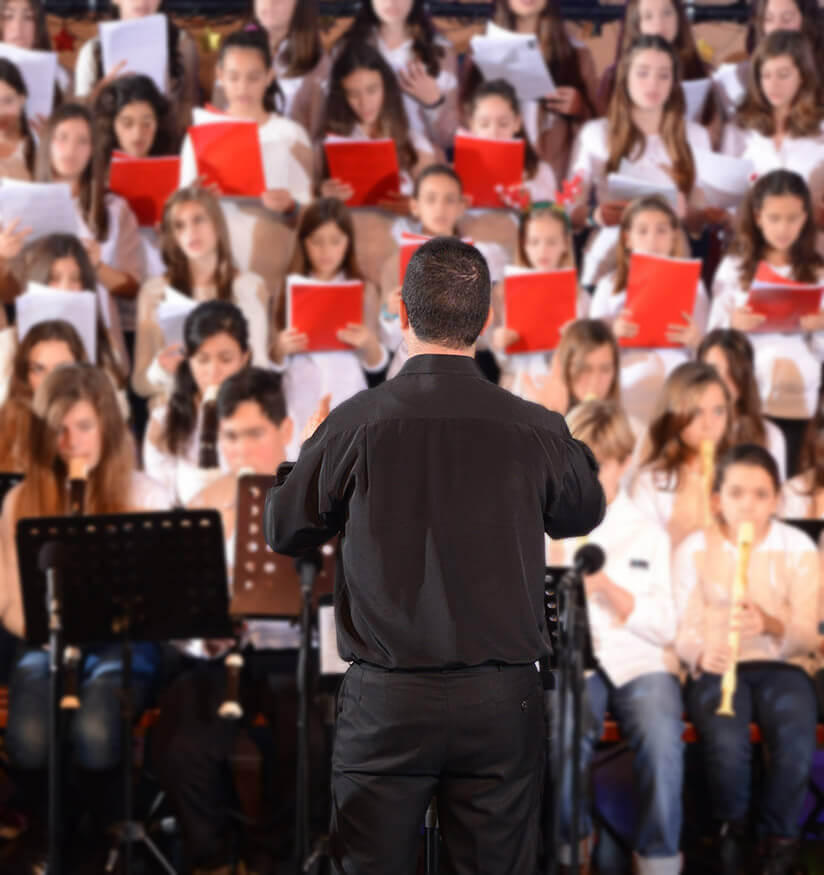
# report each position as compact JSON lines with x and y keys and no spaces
{"x":575,"y":499}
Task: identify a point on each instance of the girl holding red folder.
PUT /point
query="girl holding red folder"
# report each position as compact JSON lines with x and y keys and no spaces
{"x":649,"y":225}
{"x":776,"y":233}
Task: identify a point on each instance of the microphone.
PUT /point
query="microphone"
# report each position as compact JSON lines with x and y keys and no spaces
{"x":588,"y":559}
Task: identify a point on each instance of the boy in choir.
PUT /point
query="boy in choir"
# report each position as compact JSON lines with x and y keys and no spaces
{"x":632,"y":622}
{"x":194,"y":743}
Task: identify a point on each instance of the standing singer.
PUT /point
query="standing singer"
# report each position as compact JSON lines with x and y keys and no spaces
{"x":441,"y":486}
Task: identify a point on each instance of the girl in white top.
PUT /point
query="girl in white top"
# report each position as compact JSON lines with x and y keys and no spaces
{"x":198,"y":264}
{"x":301,"y":66}
{"x":776,"y":228}
{"x":777,"y":625}
{"x":326,"y":252}
{"x":17,"y":145}
{"x":649,"y":225}
{"x":425,"y":63}
{"x":494,"y":112}
{"x":177,"y":451}
{"x":133,"y":117}
{"x":780,"y":124}
{"x":107,"y":225}
{"x":182,"y":74}
{"x":675,"y":479}
{"x":261,"y":233}
{"x":646,"y":127}
{"x":802,"y":497}
{"x":731,"y":354}
{"x":544,"y":244}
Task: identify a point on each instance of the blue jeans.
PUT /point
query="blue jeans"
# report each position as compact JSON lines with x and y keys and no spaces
{"x":94,"y":730}
{"x":648,"y":710}
{"x":781,"y":700}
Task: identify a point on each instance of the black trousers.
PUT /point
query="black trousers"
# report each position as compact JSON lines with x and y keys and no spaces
{"x":472,"y":738}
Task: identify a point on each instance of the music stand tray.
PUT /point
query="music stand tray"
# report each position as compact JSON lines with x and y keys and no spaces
{"x":267,"y":584}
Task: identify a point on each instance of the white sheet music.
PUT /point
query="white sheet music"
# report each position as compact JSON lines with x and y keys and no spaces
{"x":142,"y":42}
{"x":171,"y":314}
{"x":723,"y":179}
{"x":45,"y":207}
{"x":41,"y":303}
{"x":39,"y":72}
{"x":515,"y":57}
{"x":632,"y":181}
{"x":731,"y":85}
{"x":695,"y":95}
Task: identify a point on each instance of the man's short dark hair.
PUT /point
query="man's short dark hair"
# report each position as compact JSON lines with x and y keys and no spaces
{"x":253,"y":384}
{"x":447,"y":291}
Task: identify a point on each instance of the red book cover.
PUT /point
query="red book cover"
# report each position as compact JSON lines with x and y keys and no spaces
{"x":537,"y":304}
{"x":410,"y":243}
{"x":369,"y":166}
{"x":659,"y":292}
{"x":322,"y":309}
{"x":782,"y":301}
{"x":228,"y":155}
{"x":146,"y":183}
{"x":485,"y":166}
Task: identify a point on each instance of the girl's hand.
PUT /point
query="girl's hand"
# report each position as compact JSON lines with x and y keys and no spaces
{"x":393,"y":301}
{"x":716,"y":659}
{"x":623,"y":326}
{"x":336,"y":188}
{"x":812,"y":322}
{"x":688,"y":335}
{"x":92,"y":248}
{"x":395,"y":202}
{"x":744,"y":319}
{"x":566,"y":100}
{"x":516,"y":197}
{"x":38,"y":125}
{"x":316,"y":418}
{"x":503,"y":337}
{"x":610,"y":212}
{"x":12,"y":240}
{"x":208,"y":184}
{"x":363,"y":340}
{"x":279,"y":200}
{"x":119,"y":69}
{"x":749,"y":619}
{"x":289,"y":342}
{"x":170,"y":357}
{"x":417,"y":83}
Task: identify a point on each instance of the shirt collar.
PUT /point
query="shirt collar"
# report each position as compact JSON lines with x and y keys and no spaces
{"x":441,"y":364}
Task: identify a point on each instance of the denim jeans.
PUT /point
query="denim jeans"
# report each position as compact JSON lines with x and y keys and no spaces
{"x":94,"y":731}
{"x":779,"y":698}
{"x":648,"y":710}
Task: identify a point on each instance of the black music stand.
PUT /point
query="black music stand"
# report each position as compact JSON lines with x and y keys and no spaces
{"x":268,"y":584}
{"x":119,"y":578}
{"x":572,"y":655}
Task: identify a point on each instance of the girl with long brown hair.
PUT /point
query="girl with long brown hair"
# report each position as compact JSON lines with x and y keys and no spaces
{"x":552,"y":122}
{"x":46,"y":346}
{"x":780,"y":124}
{"x":23,"y":24}
{"x":325,"y":252}
{"x":424,"y":62}
{"x":692,"y":410}
{"x":649,"y":225}
{"x":17,"y":145}
{"x":775,"y":233}
{"x":646,"y":128}
{"x":731,"y":354}
{"x":198,"y":258}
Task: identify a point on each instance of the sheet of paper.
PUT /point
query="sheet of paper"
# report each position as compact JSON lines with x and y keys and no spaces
{"x":517,"y":58}
{"x":695,"y":95}
{"x":723,"y":179}
{"x":622,"y":187}
{"x":39,"y":72}
{"x":730,"y":81}
{"x":45,"y":207}
{"x":171,"y":315}
{"x":41,"y":303}
{"x":142,"y":42}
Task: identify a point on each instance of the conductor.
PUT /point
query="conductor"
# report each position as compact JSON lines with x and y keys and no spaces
{"x":441,"y":486}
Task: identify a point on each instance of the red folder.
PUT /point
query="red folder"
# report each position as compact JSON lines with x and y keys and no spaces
{"x":783,"y":301}
{"x":659,"y":292}
{"x":369,"y":166}
{"x":228,"y":155}
{"x":322,"y":309}
{"x":410,"y":243}
{"x":537,"y":304}
{"x":145,"y":183}
{"x":485,"y":165}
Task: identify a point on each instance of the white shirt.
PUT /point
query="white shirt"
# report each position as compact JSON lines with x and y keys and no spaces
{"x":589,"y":161}
{"x":782,"y":579}
{"x":638,"y":560}
{"x":787,"y":366}
{"x":796,"y":501}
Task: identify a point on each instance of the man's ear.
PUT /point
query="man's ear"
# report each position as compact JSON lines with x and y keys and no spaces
{"x":403,"y":313}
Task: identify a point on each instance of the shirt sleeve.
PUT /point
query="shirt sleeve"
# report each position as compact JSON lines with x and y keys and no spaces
{"x":653,"y":617}
{"x":801,"y":612}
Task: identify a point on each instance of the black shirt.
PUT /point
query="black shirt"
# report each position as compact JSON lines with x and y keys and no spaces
{"x":441,"y":485}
